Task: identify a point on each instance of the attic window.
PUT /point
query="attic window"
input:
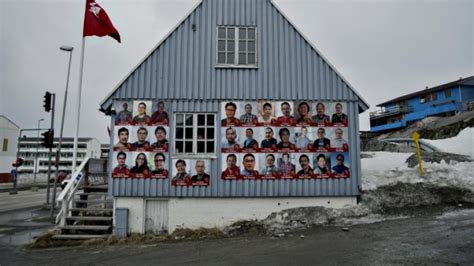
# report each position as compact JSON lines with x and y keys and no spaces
{"x":236,"y":46}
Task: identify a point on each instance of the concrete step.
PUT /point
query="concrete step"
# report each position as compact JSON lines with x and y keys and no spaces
{"x":85,"y":227}
{"x":90,"y":218}
{"x":92,"y":194}
{"x":92,"y":209}
{"x":78,"y":237}
{"x":91,"y":201}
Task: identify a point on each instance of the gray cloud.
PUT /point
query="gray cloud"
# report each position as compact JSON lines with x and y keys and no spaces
{"x":383,"y":48}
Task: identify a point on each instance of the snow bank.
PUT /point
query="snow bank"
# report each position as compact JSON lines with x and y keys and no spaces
{"x":463,"y":143}
{"x":386,"y":168}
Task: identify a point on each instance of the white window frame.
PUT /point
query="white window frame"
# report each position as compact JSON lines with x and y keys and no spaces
{"x":236,"y":48}
{"x":195,"y":126}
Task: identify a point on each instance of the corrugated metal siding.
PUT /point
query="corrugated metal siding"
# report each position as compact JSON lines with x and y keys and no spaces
{"x":183,"y":66}
{"x":130,"y":187}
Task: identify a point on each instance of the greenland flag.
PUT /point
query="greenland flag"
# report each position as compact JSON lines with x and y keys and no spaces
{"x":97,"y":22}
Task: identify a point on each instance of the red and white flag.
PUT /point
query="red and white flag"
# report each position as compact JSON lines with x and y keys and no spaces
{"x":97,"y":22}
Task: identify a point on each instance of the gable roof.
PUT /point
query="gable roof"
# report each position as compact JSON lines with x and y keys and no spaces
{"x":464,"y":81}
{"x":363,"y":105}
{"x":11,"y":122}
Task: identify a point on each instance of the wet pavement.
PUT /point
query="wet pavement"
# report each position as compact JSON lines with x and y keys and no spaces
{"x":18,"y":228}
{"x":433,"y":236}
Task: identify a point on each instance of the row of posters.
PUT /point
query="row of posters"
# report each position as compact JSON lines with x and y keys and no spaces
{"x":280,"y":139}
{"x":261,"y":113}
{"x":286,"y":140}
{"x":235,"y":166}
{"x":155,"y":165}
{"x":141,"y":113}
{"x":284,"y":113}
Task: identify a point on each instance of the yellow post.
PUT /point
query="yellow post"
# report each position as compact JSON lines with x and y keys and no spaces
{"x":416,"y":137}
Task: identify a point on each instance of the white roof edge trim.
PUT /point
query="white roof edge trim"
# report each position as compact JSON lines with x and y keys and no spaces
{"x":319,"y":52}
{"x":151,"y":51}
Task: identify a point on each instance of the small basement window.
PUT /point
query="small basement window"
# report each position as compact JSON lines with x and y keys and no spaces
{"x":236,"y":46}
{"x":195,"y":133}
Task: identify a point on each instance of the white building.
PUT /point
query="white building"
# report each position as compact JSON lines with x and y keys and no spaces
{"x":87,"y":147}
{"x":9,"y":138}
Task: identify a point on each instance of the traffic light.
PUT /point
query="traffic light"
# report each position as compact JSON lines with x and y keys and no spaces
{"x":48,"y":137}
{"x":47,"y":101}
{"x":18,"y":163}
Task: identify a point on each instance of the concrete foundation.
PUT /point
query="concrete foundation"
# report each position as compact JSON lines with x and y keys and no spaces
{"x":193,"y":213}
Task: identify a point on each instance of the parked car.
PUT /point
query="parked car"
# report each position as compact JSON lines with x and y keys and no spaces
{"x":62,"y":179}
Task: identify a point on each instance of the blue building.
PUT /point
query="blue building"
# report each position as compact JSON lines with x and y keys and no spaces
{"x":443,"y":100}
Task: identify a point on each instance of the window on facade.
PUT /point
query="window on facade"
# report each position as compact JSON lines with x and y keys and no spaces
{"x":195,"y":133}
{"x":236,"y":46}
{"x":5,"y":145}
{"x":422,"y":99}
{"x":447,"y":93}
{"x":434,"y":96}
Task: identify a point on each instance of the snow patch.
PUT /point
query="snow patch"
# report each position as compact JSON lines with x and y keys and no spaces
{"x":387,"y":168}
{"x":463,"y":143}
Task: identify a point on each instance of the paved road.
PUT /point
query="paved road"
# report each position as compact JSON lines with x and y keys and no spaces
{"x":24,"y":199}
{"x":430,"y":238}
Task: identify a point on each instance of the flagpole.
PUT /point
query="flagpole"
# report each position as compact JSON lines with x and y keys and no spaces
{"x":76,"y":135}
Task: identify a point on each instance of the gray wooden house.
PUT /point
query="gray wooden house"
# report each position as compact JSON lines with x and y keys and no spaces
{"x":224,"y":58}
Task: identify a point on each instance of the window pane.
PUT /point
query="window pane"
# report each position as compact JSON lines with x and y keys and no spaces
{"x":189,"y":133}
{"x":210,"y":146}
{"x":201,"y":120}
{"x":221,"y":58}
{"x":210,"y":120}
{"x":210,"y":133}
{"x":251,"y":46}
{"x":242,"y":46}
{"x":179,"y":146}
{"x":230,"y":58}
{"x":179,"y":120}
{"x":242,"y":33}
{"x":221,"y":46}
{"x":251,"y":34}
{"x":251,"y":59}
{"x":201,"y":133}
{"x":201,"y":147}
{"x":188,"y":146}
{"x":221,"y":33}
{"x":230,"y":46}
{"x":230,"y":33}
{"x":179,"y":133}
{"x":189,"y":120}
{"x":242,"y":58}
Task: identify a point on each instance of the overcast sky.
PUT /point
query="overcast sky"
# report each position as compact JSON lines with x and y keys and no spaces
{"x":383,"y":48}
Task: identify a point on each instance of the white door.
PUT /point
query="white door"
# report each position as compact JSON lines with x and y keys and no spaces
{"x":156,"y":217}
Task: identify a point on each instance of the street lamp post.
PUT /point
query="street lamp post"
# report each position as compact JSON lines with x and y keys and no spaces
{"x":34,"y":188}
{"x":68,"y":49}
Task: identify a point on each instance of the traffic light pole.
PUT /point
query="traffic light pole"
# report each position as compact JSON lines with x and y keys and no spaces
{"x":51,"y":148}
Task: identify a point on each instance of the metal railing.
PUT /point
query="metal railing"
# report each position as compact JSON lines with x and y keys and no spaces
{"x":386,"y":111}
{"x":66,"y":198}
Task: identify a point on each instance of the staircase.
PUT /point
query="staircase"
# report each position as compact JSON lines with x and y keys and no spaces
{"x":86,"y":208}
